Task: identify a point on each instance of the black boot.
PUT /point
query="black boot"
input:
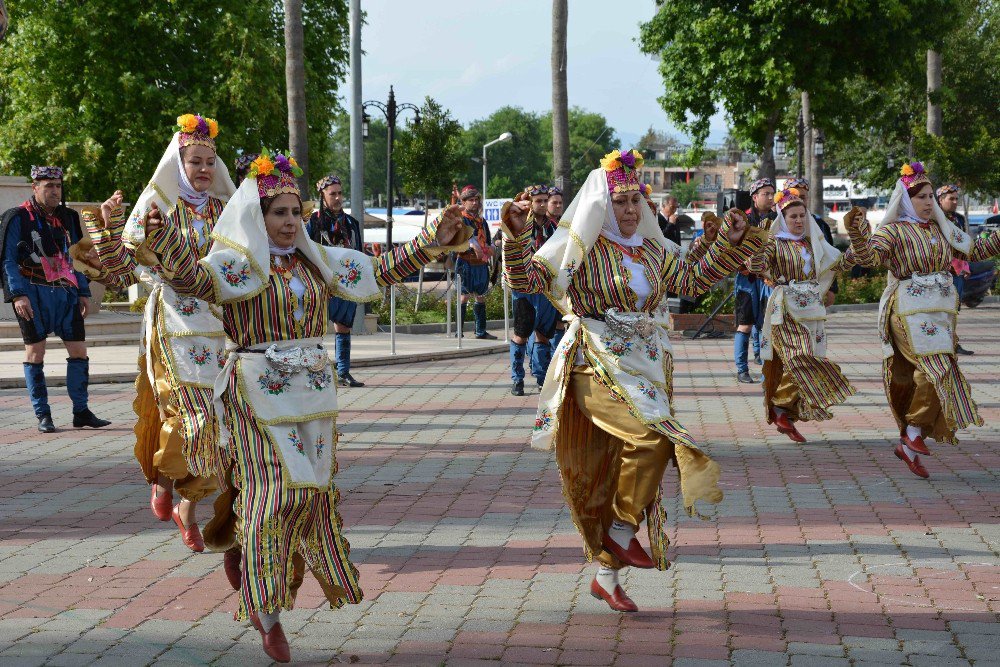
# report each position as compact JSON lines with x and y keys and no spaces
{"x":45,"y":424}
{"x":77,"y":383}
{"x":479,"y":312}
{"x":89,"y":419}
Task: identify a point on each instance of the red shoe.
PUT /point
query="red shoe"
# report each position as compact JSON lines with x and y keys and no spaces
{"x":161,"y":504}
{"x":191,"y":536}
{"x":618,"y":601}
{"x":635,"y":556}
{"x":275,"y":643}
{"x":915,"y":466}
{"x":232,"y":562}
{"x":917,"y":444}
{"x":786,"y":426}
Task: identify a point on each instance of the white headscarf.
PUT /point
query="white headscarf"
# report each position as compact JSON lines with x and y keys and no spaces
{"x":241,"y":226}
{"x":187,"y":191}
{"x":820,"y":251}
{"x":587,"y":217}
{"x":900,"y":209}
{"x":612,"y":231}
{"x":164,"y":188}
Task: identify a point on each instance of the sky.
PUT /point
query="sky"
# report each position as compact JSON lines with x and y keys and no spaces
{"x":475,"y":56}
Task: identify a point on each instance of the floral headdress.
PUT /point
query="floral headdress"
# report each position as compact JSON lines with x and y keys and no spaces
{"x":533,"y":190}
{"x":196,"y":130}
{"x":46,"y":172}
{"x":796,"y":182}
{"x":785,"y":198}
{"x":275,"y":174}
{"x":327,"y":181}
{"x":913,"y":174}
{"x":553,"y":190}
{"x":622,"y":170}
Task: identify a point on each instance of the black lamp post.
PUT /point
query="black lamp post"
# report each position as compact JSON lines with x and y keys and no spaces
{"x":389,"y":109}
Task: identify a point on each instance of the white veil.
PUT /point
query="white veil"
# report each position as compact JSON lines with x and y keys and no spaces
{"x":164,"y":189}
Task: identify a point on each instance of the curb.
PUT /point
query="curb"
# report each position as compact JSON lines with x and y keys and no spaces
{"x":413,"y":358}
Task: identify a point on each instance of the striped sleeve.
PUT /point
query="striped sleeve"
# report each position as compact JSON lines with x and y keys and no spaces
{"x":118,"y":261}
{"x":522,"y":274}
{"x":871,"y":250}
{"x":722,"y":258}
{"x":985,"y":247}
{"x":763,"y":260}
{"x":406,"y":259}
{"x":697,"y":249}
{"x":186,"y":275}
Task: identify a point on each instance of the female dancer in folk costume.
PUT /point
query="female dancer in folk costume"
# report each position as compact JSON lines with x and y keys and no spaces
{"x":800,"y":383}
{"x":183,"y":341}
{"x":606,"y":402}
{"x":276,"y":395}
{"x":928,"y":395}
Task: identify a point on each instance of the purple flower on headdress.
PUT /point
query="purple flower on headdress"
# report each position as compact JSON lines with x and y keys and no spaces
{"x":202,"y":126}
{"x":918,"y":167}
{"x":282,"y":163}
{"x":628,"y":159}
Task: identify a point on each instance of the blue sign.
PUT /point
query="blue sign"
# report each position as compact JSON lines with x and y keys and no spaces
{"x":491,"y":209}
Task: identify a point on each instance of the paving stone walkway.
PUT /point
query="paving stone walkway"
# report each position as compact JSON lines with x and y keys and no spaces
{"x":828,"y":553}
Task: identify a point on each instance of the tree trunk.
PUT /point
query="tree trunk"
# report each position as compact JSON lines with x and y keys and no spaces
{"x":767,"y":155}
{"x":815,"y":175}
{"x":933,"y":88}
{"x":560,"y":104}
{"x":3,"y":20}
{"x":807,"y":148}
{"x":295,"y":89}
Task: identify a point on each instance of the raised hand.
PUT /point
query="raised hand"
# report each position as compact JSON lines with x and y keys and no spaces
{"x":738,"y":225}
{"x":153,"y":219}
{"x":450,"y":224}
{"x":111,"y":207}
{"x":854,"y":218}
{"x":515,"y":216}
{"x":711,"y":224}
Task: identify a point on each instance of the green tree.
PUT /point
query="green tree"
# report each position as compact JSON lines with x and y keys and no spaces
{"x":96,"y":86}
{"x":521,"y":161}
{"x":888,"y":125}
{"x":753,"y":56}
{"x":590,"y":139}
{"x":429,"y":157}
{"x":685,"y":192}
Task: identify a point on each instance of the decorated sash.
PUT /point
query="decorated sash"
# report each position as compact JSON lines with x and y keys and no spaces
{"x":284,"y":382}
{"x":803,"y":302}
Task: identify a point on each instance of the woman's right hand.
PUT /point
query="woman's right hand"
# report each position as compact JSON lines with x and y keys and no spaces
{"x":854,"y":218}
{"x":111,"y":207}
{"x":711,"y":223}
{"x":153,"y":220}
{"x":515,"y":216}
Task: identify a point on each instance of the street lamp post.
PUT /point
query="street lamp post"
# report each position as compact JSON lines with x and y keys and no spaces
{"x":506,"y":136}
{"x":390,"y":110}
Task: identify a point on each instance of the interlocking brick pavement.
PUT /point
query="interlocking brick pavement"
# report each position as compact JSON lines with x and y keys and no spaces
{"x":828,"y":553}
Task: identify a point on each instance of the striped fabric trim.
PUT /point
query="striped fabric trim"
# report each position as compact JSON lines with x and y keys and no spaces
{"x":820,"y":382}
{"x":275,"y":522}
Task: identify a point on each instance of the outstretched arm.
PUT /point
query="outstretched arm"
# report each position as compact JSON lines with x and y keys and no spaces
{"x":735,"y":245}
{"x":522,"y":274}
